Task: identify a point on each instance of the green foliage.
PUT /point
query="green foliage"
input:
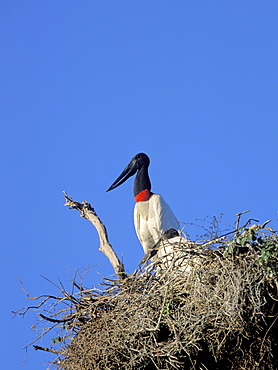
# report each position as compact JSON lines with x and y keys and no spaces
{"x":263,"y":244}
{"x":58,"y":340}
{"x":168,"y":307}
{"x":269,"y":252}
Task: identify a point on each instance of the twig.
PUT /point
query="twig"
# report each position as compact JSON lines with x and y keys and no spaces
{"x":26,"y":309}
{"x":238,"y":219}
{"x":161,"y":312}
{"x":55,"y":320}
{"x":48,"y":350}
{"x":41,"y":335}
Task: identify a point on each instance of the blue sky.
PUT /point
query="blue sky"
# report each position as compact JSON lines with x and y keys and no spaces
{"x":85,"y":85}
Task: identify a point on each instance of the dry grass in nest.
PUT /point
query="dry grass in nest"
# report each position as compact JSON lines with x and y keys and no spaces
{"x":219,"y":314}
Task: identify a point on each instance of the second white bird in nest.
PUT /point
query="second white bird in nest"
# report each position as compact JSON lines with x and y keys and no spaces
{"x":178,"y":253}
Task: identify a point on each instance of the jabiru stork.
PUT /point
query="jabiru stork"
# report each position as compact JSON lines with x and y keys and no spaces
{"x":152,"y":215}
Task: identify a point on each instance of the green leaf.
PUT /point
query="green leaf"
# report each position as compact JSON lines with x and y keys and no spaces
{"x":58,"y":340}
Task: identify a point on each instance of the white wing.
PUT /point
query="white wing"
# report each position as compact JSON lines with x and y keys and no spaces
{"x":165,"y":218}
{"x":151,"y":219}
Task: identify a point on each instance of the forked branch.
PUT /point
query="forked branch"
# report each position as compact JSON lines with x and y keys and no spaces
{"x":88,"y":212}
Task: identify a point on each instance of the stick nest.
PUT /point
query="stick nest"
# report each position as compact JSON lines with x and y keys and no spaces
{"x":221,"y":313}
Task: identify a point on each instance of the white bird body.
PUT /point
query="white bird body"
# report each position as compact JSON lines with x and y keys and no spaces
{"x":151,"y":218}
{"x":152,"y":215}
{"x":155,"y":223}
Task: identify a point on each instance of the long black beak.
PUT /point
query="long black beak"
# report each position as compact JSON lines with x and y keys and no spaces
{"x":129,"y":171}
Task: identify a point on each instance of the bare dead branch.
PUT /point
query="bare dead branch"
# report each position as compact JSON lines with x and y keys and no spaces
{"x":23,"y":310}
{"x":48,"y":350}
{"x":55,"y":320}
{"x":88,"y":212}
{"x":238,"y":218}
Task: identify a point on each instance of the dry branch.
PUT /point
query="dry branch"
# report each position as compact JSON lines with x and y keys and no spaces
{"x":48,"y":350}
{"x":88,"y":212}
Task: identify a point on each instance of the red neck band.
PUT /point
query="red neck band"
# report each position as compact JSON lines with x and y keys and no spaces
{"x":142,"y":196}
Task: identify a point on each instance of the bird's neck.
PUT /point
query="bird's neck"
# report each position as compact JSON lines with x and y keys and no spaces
{"x":142,"y":185}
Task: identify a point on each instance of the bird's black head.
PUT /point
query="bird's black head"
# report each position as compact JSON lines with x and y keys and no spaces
{"x":170,"y":233}
{"x":140,"y":160}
